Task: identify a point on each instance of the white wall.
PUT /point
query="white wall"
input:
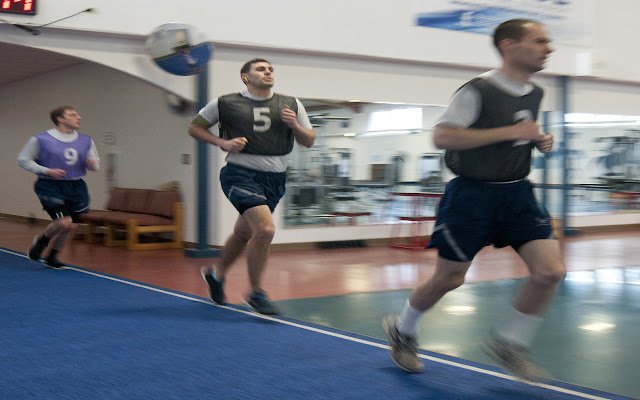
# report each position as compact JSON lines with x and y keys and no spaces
{"x":149,"y":137}
{"x":120,"y":52}
{"x":592,"y":96}
{"x":332,"y":77}
{"x":388,"y":66}
{"x":136,"y":111}
{"x":376,"y":28}
{"x":325,"y":77}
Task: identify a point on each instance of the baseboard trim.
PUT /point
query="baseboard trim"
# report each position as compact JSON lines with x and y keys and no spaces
{"x":23,"y":219}
{"x":356,"y":243}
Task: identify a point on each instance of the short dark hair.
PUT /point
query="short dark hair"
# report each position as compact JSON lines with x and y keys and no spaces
{"x":511,"y":29}
{"x":58,"y":112}
{"x":247,"y":66}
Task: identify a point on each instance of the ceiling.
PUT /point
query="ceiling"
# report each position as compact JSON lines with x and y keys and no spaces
{"x":21,"y":62}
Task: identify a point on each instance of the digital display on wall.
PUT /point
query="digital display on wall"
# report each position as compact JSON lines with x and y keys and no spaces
{"x":27,"y":7}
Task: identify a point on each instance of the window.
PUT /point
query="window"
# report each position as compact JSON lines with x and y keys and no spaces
{"x":395,"y":121}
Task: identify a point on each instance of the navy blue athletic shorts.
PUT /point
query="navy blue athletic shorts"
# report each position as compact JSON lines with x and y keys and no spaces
{"x":63,"y":198}
{"x":473,"y":214}
{"x":247,"y":188}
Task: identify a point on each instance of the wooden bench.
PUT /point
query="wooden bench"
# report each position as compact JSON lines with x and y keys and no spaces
{"x":139,"y":212}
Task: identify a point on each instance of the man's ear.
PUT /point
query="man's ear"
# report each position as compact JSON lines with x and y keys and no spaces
{"x":506,"y":44}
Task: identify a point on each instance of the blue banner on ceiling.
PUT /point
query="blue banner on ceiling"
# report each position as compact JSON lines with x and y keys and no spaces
{"x":568,"y":20}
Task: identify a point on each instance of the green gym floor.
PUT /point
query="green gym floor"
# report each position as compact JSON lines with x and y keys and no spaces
{"x":589,"y":336}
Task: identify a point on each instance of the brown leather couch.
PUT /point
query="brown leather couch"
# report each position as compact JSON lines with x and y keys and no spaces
{"x":146,"y":212}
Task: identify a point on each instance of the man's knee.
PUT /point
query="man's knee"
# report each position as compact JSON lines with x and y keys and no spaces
{"x":243,"y":234}
{"x":551,"y":275}
{"x":265,"y":232}
{"x":544,"y":259}
{"x":65,"y":224}
{"x":450,"y":274}
{"x":452,"y":281}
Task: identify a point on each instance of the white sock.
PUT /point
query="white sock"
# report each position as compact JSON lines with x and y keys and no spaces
{"x":519,"y":328}
{"x":408,"y":320}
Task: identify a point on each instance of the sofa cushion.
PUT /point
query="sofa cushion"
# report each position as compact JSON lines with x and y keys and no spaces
{"x":161,"y":202}
{"x":118,"y":199}
{"x":95,"y":216}
{"x":137,"y":201}
{"x":121,"y":218}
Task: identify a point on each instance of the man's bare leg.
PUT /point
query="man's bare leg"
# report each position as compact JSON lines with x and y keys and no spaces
{"x":233,"y":247}
{"x":509,"y":343}
{"x":401,"y":330}
{"x":262,"y":231}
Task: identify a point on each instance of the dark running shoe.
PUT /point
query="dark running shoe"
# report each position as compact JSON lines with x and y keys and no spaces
{"x":259,"y":302}
{"x":37,"y":247}
{"x":54,"y":263}
{"x":403,"y":349}
{"x":215,"y":286}
{"x":514,"y":358}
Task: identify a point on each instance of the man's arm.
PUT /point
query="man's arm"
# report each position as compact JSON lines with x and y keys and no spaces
{"x":304,"y":136}
{"x":199,"y":129}
{"x":93,"y":160}
{"x":300,"y":124}
{"x":450,"y":137}
{"x":27,"y":156}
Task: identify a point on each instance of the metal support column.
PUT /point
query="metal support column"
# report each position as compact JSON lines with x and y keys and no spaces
{"x":564,"y":153}
{"x":202,"y":250}
{"x":546,"y":122}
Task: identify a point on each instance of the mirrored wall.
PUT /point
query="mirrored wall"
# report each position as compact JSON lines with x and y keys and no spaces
{"x":601,"y":171}
{"x":375,"y":163}
{"x":363,"y":154}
